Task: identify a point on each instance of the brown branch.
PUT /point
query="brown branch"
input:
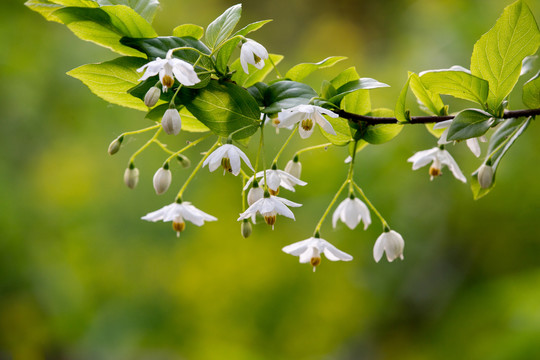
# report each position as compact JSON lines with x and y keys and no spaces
{"x":371,"y":120}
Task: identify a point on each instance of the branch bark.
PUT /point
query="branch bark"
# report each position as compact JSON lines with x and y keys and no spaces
{"x":371,"y":120}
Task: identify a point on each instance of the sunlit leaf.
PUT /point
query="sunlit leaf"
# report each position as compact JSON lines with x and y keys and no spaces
{"x":301,"y":71}
{"x":456,"y":83}
{"x":379,"y":134}
{"x":255,"y":75}
{"x":531,"y":92}
{"x":194,"y":31}
{"x":223,"y":26}
{"x":189,"y":122}
{"x":432,"y":101}
{"x":400,"y":112}
{"x":146,"y":8}
{"x":470,"y":123}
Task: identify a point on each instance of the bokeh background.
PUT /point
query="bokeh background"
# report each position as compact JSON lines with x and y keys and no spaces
{"x":82,"y":277}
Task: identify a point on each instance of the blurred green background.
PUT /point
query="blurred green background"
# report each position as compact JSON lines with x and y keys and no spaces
{"x":82,"y":277}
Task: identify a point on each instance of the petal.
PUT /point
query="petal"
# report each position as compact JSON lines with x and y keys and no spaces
{"x":332,"y":253}
{"x":273,"y":179}
{"x":349,"y":215}
{"x":287,"y":202}
{"x":337,"y":213}
{"x":474,"y":146}
{"x":394,"y":245}
{"x":297,"y":248}
{"x":235,"y":162}
{"x":422,"y":158}
{"x":244,"y":157}
{"x":449,"y":161}
{"x":378,"y":248}
{"x":306,"y":256}
{"x":281,"y":209}
{"x":288,"y":118}
{"x":324,"y":124}
{"x":303,"y":133}
{"x":363,"y":212}
{"x":326,"y":112}
{"x":444,"y":138}
{"x":442,"y":125}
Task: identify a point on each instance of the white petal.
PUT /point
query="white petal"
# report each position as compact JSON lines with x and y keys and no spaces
{"x":235,"y":162}
{"x":449,"y":161}
{"x":297,"y":248}
{"x":444,"y":138}
{"x":287,"y":202}
{"x":288,"y":118}
{"x":378,"y":249}
{"x":442,"y":125}
{"x":422,"y":158}
{"x":337,"y":213}
{"x":474,"y":146}
{"x":326,"y":112}
{"x":281,"y":209}
{"x":273,"y":179}
{"x":332,"y":253}
{"x":363,"y":212}
{"x":244,"y":157}
{"x":394,"y":245}
{"x":303,"y":133}
{"x":306,"y":256}
{"x":324,"y":124}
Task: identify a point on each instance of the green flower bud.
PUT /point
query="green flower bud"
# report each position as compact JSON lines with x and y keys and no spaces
{"x":246,"y":229}
{"x":114,"y":147}
{"x":184,"y":161}
{"x":152,"y":96}
{"x":485,"y":176}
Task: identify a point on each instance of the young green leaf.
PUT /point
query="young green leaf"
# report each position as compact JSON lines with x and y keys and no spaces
{"x":343,"y":131}
{"x":301,"y":71}
{"x":45,"y":8}
{"x":459,"y":84}
{"x":498,"y":55}
{"x":194,"y":31}
{"x":344,"y":77}
{"x":432,"y":101}
{"x":469,"y":123}
{"x":352,"y":86}
{"x":256,"y":75}
{"x":189,"y":122}
{"x":106,"y":26}
{"x":146,"y":8}
{"x":287,"y":94}
{"x":223,"y":26}
{"x":379,"y":134}
{"x":111,"y":80}
{"x":531,"y":92}
{"x":225,"y":108}
{"x":401,"y":113}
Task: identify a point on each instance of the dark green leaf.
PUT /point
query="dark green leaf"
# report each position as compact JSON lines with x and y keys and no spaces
{"x":287,"y":94}
{"x":223,"y":26}
{"x":469,"y":123}
{"x":531,"y":92}
{"x":257,"y":91}
{"x":456,"y":83}
{"x":189,"y":122}
{"x":498,"y":55}
{"x":301,"y":71}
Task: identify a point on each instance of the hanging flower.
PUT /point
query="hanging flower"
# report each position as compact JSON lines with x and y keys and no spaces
{"x":228,"y":156}
{"x":472,"y":143}
{"x":269,"y":206}
{"x":171,"y":122}
{"x":275,"y":179}
{"x":252,"y":53}
{"x":351,"y":211}
{"x":162,"y":179}
{"x":177,"y":212}
{"x":390,"y":242}
{"x":309,"y":251}
{"x":439,"y":157}
{"x":306,"y":116}
{"x":168,"y":69}
{"x":255,"y":193}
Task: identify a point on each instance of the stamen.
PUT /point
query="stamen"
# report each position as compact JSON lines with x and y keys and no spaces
{"x":307,"y":124}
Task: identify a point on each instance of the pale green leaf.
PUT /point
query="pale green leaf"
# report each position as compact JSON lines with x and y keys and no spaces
{"x":459,"y":84}
{"x":344,"y":77}
{"x":531,"y":92}
{"x":255,"y":75}
{"x":45,"y":8}
{"x":379,"y":134}
{"x":401,"y":113}
{"x":343,"y":131}
{"x":194,"y":31}
{"x":223,"y":26}
{"x":301,"y":71}
{"x":432,"y":101}
{"x":146,"y":8}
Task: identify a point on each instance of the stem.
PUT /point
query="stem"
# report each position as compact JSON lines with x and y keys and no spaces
{"x":351,"y":168}
{"x":312,"y":148}
{"x":285,"y":144}
{"x":260,"y":144}
{"x":163,"y":147}
{"x":192,"y":175}
{"x":275,"y":67}
{"x":140,"y":131}
{"x":373,"y":208}
{"x":319,"y":224}
{"x":141,"y":149}
{"x":191,"y":144}
{"x":243,"y":194}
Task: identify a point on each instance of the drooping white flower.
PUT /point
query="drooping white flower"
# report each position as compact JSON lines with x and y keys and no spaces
{"x":485,"y":176}
{"x":162,"y":180}
{"x":294,"y":167}
{"x":306,"y":116}
{"x":390,"y":242}
{"x":472,"y":143}
{"x":351,"y":211}
{"x":252,"y":53}
{"x":168,"y":69}
{"x":228,"y":156}
{"x":275,"y":179}
{"x":255,"y":193}
{"x":131,"y":177}
{"x":309,"y":251}
{"x":269,"y":206}
{"x":177,"y":213}
{"x":439,"y":158}
{"x":171,"y":122}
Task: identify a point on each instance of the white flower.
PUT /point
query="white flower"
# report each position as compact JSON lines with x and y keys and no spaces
{"x":167,"y":69}
{"x":275,"y":179}
{"x":228,"y":156}
{"x":310,"y":251}
{"x":131,"y":177}
{"x":269,"y":207}
{"x":485,"y":176}
{"x":390,"y":242}
{"x":152,"y":96}
{"x":439,"y":158}
{"x":306,"y":116}
{"x":255,"y":193}
{"x":171,"y":122}
{"x":351,"y":211}
{"x":177,"y":213}
{"x":294,"y":167}
{"x":472,"y":143}
{"x":162,"y":180}
{"x":252,"y":53}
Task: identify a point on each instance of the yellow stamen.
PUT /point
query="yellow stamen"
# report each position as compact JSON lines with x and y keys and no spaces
{"x":307,"y":124}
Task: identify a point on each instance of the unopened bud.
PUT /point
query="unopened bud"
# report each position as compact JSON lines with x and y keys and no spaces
{"x":184,"y":161}
{"x":294,"y":168}
{"x":485,"y":176}
{"x":171,"y":122}
{"x":254,"y":194}
{"x":115,"y":145}
{"x":131,"y":176}
{"x":246,"y":229}
{"x":162,"y":180}
{"x":152,"y":96}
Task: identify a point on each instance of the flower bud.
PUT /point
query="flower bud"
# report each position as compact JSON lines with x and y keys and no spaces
{"x":485,"y":176}
{"x":246,"y":228}
{"x":115,"y":145}
{"x":162,"y":180}
{"x":294,"y":167}
{"x":171,"y":122}
{"x":152,"y":96}
{"x":184,"y":161}
{"x":131,"y":176}
{"x":254,"y":194}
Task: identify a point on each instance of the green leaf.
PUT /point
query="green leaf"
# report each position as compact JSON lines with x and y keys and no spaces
{"x":45,"y":8}
{"x":327,"y":90}
{"x":159,"y":46}
{"x":189,"y":122}
{"x":435,"y":132}
{"x":105,"y":26}
{"x":257,"y":91}
{"x":111,"y":80}
{"x":431,"y":101}
{"x":301,"y":71}
{"x":499,"y":144}
{"x":223,"y":107}
{"x":352,"y":86}
{"x":379,"y":134}
{"x":456,"y":83}
{"x":345,"y":77}
{"x":470,"y":123}
{"x":531,"y":92}
{"x":194,"y":31}
{"x":223,"y":26}
{"x":498,"y":55}
{"x":287,"y":94}
{"x":77,"y":3}
{"x":146,"y":8}
{"x":343,"y":131}
{"x":400,"y":112}
{"x":256,"y":75}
